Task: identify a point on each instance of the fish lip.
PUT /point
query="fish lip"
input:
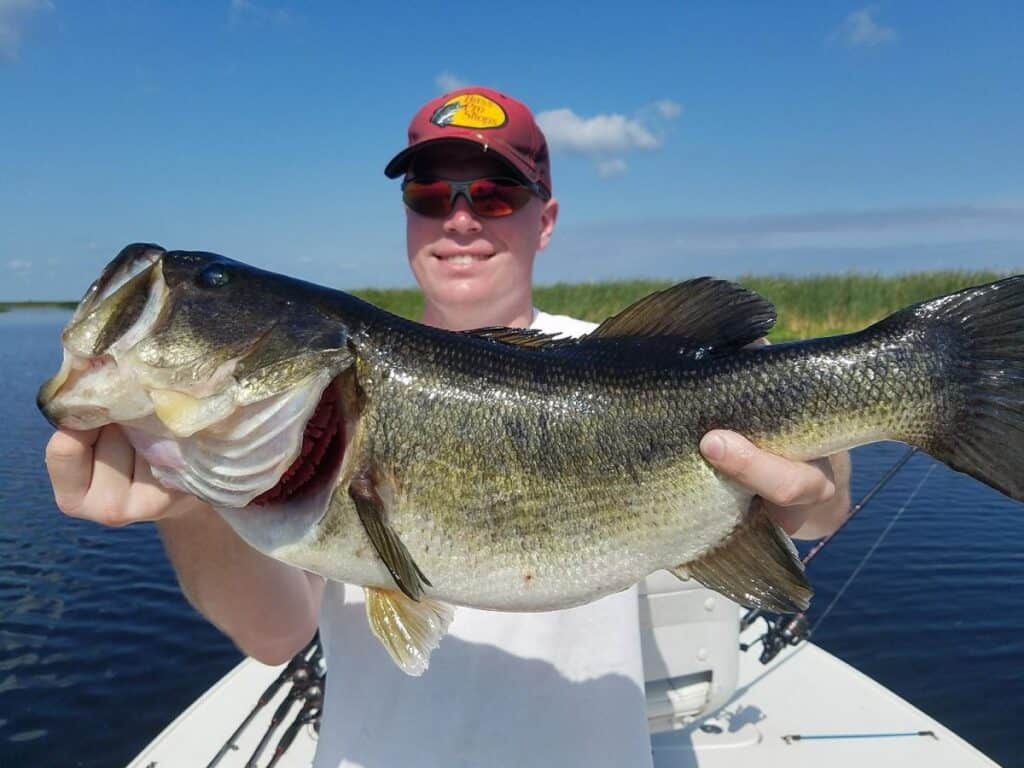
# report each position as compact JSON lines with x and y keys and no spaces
{"x":148,"y":265}
{"x":48,"y":390}
{"x":129,"y":262}
{"x":61,"y":417}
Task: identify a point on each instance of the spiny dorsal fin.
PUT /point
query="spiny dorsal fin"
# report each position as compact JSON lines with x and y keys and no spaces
{"x":403,"y":569}
{"x":704,"y":311}
{"x":521,"y":337}
{"x":757,"y":566}
{"x":408,"y":630}
{"x":690,"y":319}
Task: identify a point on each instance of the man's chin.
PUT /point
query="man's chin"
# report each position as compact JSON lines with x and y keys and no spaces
{"x":460,"y":304}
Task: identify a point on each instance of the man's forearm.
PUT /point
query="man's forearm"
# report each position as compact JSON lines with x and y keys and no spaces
{"x":269,"y":609}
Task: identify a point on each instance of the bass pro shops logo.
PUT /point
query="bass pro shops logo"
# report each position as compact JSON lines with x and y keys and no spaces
{"x":469,"y":110}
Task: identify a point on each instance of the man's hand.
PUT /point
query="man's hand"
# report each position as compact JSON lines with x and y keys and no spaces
{"x":96,"y":475}
{"x":808,"y":499}
{"x":268,"y":608}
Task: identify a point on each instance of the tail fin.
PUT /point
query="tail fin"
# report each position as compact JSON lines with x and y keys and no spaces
{"x":978,"y":335}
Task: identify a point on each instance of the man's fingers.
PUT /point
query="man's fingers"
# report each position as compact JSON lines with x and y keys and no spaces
{"x":111,"y":478}
{"x":69,"y":464}
{"x":148,"y":500}
{"x":779,"y":481}
{"x":792,"y":519}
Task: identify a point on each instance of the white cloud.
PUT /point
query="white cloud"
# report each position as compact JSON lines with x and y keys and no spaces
{"x":610,"y":167}
{"x":19,"y":265}
{"x":860,"y":30}
{"x":13,"y":16}
{"x":605,"y":138}
{"x":247,"y":10}
{"x":668,"y":109}
{"x":447,"y":81}
{"x":568,"y":131}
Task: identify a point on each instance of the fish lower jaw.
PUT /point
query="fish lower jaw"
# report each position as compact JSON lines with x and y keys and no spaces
{"x":90,"y":392}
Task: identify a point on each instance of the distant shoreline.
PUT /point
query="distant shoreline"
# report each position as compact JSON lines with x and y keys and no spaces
{"x":7,"y":306}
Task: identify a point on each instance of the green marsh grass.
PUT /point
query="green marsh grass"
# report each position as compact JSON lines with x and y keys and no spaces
{"x":819,"y":305}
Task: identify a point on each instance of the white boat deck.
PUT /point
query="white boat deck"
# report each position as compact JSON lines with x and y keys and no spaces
{"x":805,"y":691}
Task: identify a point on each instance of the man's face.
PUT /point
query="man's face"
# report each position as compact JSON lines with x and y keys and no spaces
{"x":466,"y":262}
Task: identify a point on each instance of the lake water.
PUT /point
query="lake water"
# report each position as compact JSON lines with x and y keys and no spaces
{"x":98,"y":650}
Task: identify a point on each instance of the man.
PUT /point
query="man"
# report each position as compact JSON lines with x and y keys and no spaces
{"x":561,"y":688}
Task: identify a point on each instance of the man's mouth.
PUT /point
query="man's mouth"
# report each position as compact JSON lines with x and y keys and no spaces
{"x":463,"y":257}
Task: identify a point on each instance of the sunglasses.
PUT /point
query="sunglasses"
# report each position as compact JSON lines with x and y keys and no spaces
{"x":491,"y":198}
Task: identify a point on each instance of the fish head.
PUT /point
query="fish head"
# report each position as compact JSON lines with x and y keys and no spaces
{"x":215,"y":370}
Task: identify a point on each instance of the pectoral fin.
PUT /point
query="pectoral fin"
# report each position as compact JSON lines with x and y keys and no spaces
{"x":409,"y":630}
{"x":407,"y":575}
{"x":757,"y":566}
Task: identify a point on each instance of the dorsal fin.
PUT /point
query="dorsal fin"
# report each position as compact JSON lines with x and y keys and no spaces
{"x":691,"y":319}
{"x":521,"y":337}
{"x":704,"y":311}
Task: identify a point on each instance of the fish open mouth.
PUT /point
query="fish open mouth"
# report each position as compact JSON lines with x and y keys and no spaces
{"x":239,"y":419}
{"x":323,"y":448}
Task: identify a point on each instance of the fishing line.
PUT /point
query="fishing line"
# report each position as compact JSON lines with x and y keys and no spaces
{"x":752,"y":615}
{"x":874,"y":546}
{"x":863,"y":502}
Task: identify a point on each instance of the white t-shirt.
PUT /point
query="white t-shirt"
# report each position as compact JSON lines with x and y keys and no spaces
{"x":525,"y":690}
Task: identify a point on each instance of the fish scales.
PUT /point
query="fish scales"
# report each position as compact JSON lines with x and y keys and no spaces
{"x":593,"y":471}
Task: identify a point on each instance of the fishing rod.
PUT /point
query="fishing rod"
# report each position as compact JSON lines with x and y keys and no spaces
{"x":306,"y":673}
{"x":297,"y":693}
{"x":791,"y":630}
{"x":308,"y":713}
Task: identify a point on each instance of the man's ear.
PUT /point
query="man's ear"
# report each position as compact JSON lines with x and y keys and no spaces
{"x":548,"y":216}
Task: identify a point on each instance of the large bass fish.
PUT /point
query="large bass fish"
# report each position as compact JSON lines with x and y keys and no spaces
{"x":503,"y":469}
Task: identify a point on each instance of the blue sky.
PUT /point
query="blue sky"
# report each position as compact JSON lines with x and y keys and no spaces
{"x":688,"y":138}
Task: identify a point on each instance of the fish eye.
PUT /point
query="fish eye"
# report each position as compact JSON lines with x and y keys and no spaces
{"x":214,"y":276}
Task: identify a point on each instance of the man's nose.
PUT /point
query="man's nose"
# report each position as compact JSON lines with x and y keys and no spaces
{"x":462,"y":220}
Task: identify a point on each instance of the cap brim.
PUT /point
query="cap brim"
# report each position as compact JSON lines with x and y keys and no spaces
{"x":400,"y":163}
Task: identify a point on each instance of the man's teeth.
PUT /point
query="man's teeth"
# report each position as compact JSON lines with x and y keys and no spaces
{"x":462,"y":258}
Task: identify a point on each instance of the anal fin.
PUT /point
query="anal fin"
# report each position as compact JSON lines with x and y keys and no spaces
{"x":756,"y":565}
{"x":409,"y":630}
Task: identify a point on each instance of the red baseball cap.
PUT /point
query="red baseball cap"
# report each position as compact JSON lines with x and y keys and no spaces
{"x":484,"y":117}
